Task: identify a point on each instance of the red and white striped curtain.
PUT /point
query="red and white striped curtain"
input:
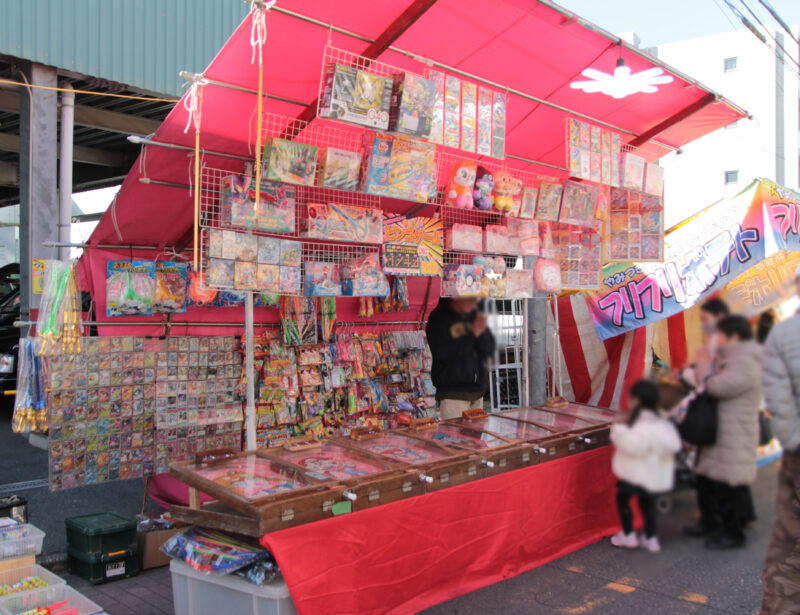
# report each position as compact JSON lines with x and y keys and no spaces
{"x":600,"y":372}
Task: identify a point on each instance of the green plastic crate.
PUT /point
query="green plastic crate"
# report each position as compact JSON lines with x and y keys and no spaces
{"x":104,"y":568}
{"x":100,"y":534}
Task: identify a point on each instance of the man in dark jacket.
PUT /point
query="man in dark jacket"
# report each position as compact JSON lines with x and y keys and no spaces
{"x":460,"y":343}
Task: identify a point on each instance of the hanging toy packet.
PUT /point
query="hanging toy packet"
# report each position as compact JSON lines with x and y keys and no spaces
{"x":130,"y":288}
{"x":170,"y":292}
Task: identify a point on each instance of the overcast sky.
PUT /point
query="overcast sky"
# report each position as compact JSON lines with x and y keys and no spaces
{"x":658,"y":22}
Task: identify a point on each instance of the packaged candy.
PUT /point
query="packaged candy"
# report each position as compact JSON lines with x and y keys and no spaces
{"x":290,"y":280}
{"x":246,"y":247}
{"x":268,"y":278}
{"x":130,"y":287}
{"x":399,"y":167}
{"x":341,"y":169}
{"x":519,"y":283}
{"x":362,"y":277}
{"x":462,"y":183}
{"x":345,"y":223}
{"x":170,"y":290}
{"x":547,"y":276}
{"x":548,"y":205}
{"x":462,"y":281}
{"x":356,"y":96}
{"x":291,"y":253}
{"x":219,"y":272}
{"x":290,"y":161}
{"x":322,"y":280}
{"x":464,"y":237}
{"x":413,"y":100}
{"x":269,"y":251}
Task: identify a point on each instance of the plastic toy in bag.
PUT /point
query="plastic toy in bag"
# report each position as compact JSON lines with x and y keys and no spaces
{"x":130,"y":288}
{"x":211,"y":552}
{"x":170,"y":289}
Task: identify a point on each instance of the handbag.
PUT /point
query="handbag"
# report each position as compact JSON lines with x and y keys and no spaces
{"x":699,"y":426}
{"x":764,"y":428}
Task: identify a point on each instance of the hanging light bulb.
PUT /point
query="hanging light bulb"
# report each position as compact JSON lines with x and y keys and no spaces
{"x":623,"y":82}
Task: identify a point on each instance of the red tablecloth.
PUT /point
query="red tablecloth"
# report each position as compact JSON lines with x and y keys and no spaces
{"x":408,"y":555}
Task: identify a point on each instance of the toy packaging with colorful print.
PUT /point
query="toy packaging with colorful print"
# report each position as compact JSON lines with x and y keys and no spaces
{"x":356,"y":96}
{"x":362,"y":277}
{"x":519,"y":283}
{"x":462,"y":281}
{"x":633,"y":172}
{"x":499,"y":125}
{"x":452,"y":112}
{"x":464,"y":237}
{"x":130,"y":288}
{"x":322,"y":280}
{"x":484,"y":121}
{"x":276,"y":210}
{"x":469,"y":119}
{"x":413,"y":100}
{"x":548,"y":204}
{"x":290,"y":161}
{"x":399,"y":167}
{"x":336,"y":222}
{"x":436,"y":134}
{"x":341,"y":169}
{"x":170,"y":290}
{"x":578,"y":204}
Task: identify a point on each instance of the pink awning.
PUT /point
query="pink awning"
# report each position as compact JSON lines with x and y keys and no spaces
{"x":532,"y":48}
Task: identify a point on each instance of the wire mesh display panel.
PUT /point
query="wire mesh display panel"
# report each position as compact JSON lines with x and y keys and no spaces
{"x":239,"y":261}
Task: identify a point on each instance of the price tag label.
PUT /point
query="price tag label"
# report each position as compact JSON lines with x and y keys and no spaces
{"x":401,"y":260}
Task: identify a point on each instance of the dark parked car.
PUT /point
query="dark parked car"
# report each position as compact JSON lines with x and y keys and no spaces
{"x":9,"y":334}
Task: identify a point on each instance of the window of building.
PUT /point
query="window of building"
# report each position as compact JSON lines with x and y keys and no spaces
{"x":731,"y":177}
{"x":730,"y":64}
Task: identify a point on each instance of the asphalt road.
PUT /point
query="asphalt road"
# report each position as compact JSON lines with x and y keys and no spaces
{"x":602,"y":580}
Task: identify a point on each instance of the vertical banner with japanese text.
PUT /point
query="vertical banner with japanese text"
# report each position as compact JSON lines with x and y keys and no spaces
{"x":702,"y":256}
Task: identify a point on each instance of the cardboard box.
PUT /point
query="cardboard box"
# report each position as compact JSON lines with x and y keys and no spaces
{"x":399,"y":167}
{"x":150,"y":554}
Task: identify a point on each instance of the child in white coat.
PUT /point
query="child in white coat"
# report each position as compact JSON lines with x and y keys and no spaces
{"x":644,"y":463}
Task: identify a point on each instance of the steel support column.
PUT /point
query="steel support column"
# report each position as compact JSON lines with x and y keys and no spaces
{"x":537,"y":348}
{"x":38,"y":170}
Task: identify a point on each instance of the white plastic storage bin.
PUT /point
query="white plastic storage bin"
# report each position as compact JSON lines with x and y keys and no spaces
{"x":21,"y":603}
{"x":20,"y":540}
{"x":9,"y":577}
{"x":195,"y":593}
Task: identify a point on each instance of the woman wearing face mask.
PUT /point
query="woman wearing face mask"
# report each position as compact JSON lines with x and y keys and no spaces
{"x":726,"y":469}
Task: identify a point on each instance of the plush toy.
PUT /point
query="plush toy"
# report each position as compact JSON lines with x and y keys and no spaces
{"x":506,"y":188}
{"x":484,"y":184}
{"x":459,"y":193}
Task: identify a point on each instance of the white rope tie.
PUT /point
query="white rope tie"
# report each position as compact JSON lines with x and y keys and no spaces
{"x":193,"y":103}
{"x":258,"y":28}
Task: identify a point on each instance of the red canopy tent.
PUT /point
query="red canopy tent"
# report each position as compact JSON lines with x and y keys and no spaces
{"x":531,"y":49}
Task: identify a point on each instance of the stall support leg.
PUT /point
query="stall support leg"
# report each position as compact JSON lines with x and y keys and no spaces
{"x":250,"y":409}
{"x":537,"y":346}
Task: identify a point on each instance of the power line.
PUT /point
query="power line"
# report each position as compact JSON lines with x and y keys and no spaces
{"x":779,"y":19}
{"x":774,"y":38}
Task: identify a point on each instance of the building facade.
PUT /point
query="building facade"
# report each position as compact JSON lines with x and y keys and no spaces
{"x":765,"y":82}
